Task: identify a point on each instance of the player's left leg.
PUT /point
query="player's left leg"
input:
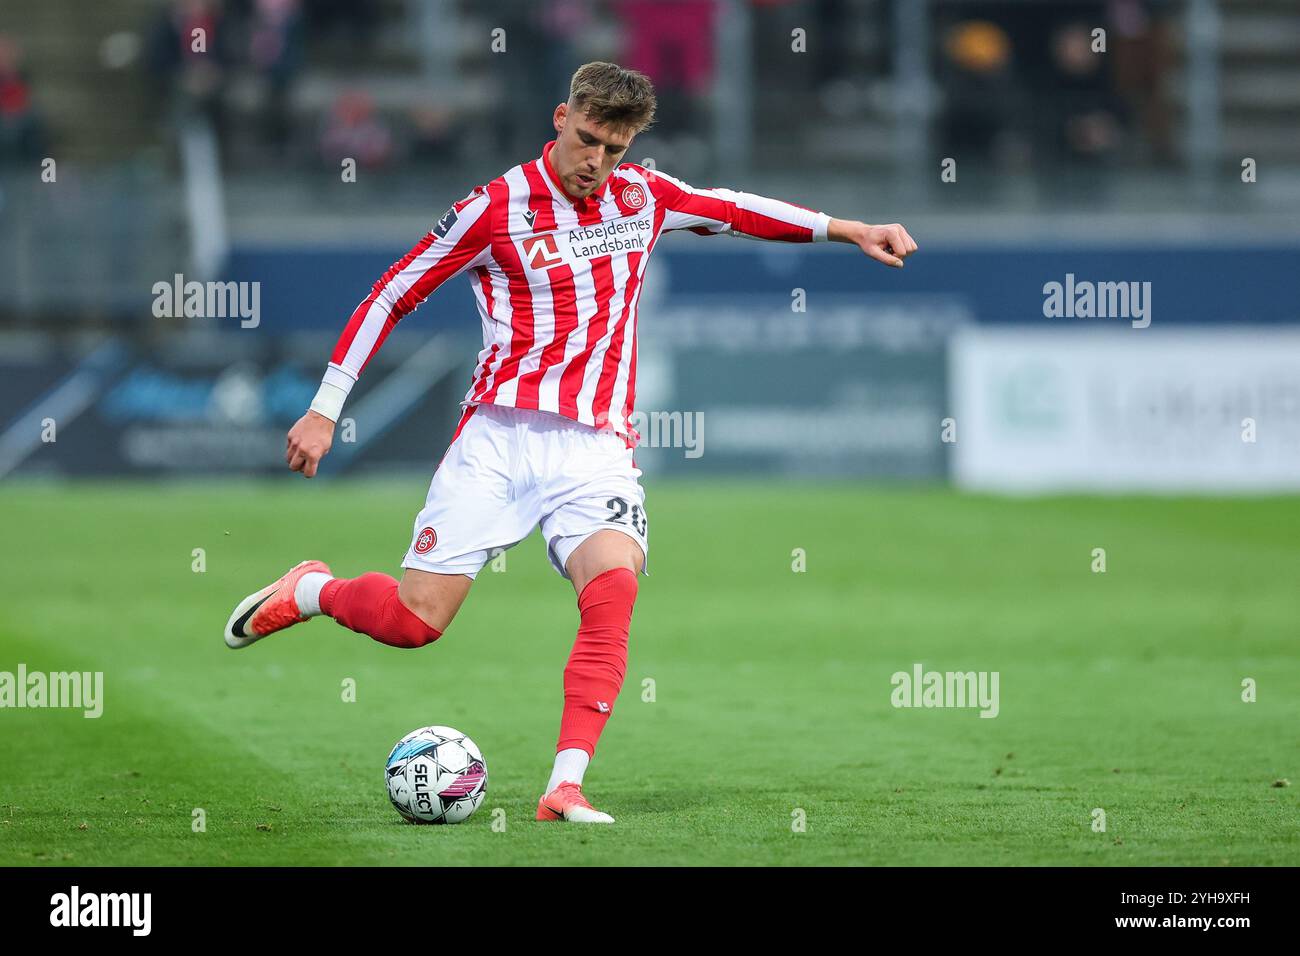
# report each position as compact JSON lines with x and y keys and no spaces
{"x":603,"y":569}
{"x":595,"y":529}
{"x":606,"y":550}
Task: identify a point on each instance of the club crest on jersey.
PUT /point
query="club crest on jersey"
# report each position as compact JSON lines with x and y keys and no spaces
{"x":634,"y":196}
{"x":426,"y":540}
{"x":542,"y":251}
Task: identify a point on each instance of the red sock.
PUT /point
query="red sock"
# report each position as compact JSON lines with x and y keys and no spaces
{"x":370,"y":605}
{"x":594,"y":674}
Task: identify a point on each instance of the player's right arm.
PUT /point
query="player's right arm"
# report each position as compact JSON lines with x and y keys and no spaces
{"x":461,"y":240}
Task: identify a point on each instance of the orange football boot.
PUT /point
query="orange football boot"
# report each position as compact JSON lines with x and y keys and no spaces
{"x":566,"y":802}
{"x":271,"y":609}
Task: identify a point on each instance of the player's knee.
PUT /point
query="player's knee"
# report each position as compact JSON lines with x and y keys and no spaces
{"x":608,"y":598}
{"x":427,"y":616}
{"x":432,"y":613}
{"x":623,"y":581}
{"x":406,"y":626}
{"x":602,"y":552}
{"x":433,"y":598}
{"x":412,"y":631}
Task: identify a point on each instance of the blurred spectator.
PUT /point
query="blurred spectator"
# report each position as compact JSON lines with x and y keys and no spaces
{"x":354,"y":130}
{"x":275,"y":54}
{"x":977,"y":120}
{"x":831,"y":34}
{"x":188,"y":53}
{"x":21,"y":135}
{"x":1142,"y":50}
{"x":432,"y":135}
{"x":1029,"y":79}
{"x":347,"y":22}
{"x":672,"y":43}
{"x":540,"y":58}
{"x":1085,"y":121}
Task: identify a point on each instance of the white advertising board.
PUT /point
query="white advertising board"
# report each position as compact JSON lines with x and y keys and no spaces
{"x":1169,"y":410}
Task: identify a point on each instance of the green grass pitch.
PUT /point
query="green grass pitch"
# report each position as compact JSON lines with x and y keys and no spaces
{"x":1119,"y":690}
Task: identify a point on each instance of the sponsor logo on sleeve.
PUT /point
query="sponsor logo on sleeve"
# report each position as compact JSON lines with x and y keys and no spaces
{"x":445,"y":223}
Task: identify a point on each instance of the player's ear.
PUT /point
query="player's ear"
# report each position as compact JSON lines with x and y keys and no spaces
{"x":561,"y":113}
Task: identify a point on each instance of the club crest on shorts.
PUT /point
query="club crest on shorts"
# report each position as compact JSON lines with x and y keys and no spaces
{"x":426,"y":541}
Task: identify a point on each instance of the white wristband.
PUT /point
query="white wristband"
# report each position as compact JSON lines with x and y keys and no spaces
{"x":329,"y":401}
{"x":821,"y":227}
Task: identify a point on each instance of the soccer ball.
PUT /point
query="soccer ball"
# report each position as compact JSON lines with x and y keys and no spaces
{"x":436,"y":775}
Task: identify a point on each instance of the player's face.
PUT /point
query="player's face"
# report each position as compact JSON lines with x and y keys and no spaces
{"x":585,"y":153}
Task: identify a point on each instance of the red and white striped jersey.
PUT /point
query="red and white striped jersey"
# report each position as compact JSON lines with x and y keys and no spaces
{"x":557,"y":281}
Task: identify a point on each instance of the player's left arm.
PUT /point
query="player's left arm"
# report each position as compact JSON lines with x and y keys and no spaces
{"x":716,"y":211}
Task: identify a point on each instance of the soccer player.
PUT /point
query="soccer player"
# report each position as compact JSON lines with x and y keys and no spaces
{"x":555,"y":249}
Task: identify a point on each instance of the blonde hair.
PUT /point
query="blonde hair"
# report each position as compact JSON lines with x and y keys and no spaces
{"x":613,"y":96}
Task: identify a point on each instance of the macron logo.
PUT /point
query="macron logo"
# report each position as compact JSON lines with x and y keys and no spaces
{"x":103,"y":909}
{"x":602,"y":707}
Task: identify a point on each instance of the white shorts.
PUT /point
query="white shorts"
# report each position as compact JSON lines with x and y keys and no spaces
{"x":510,"y":469}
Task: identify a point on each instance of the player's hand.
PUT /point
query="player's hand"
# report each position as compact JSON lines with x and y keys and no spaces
{"x":308,"y":441}
{"x":889,"y":244}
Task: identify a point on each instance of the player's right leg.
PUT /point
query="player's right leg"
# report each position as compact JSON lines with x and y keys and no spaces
{"x":271,"y":608}
{"x":471,"y":512}
{"x":412,"y":613}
